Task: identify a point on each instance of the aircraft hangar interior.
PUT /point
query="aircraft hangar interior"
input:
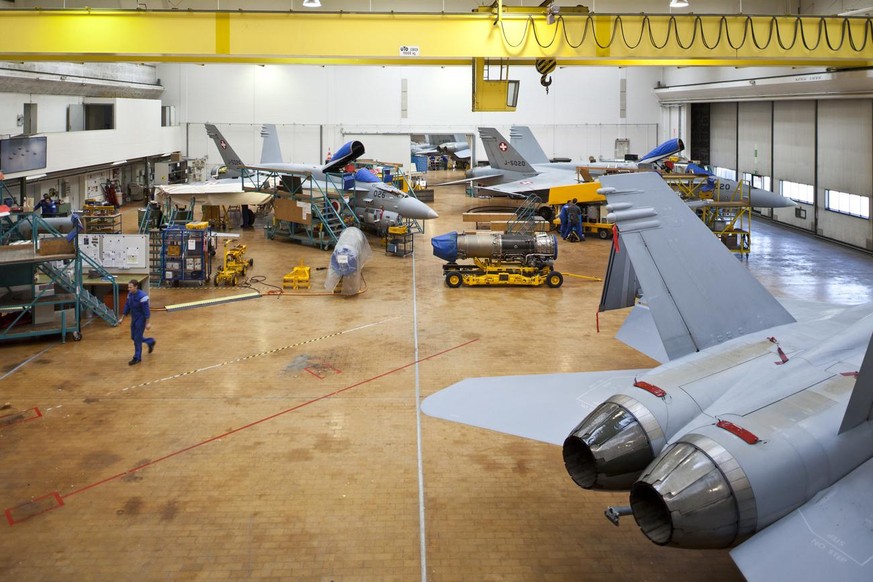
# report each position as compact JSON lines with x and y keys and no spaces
{"x":436,"y":290}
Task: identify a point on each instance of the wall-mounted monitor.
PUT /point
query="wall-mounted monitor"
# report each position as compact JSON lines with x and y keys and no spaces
{"x":19,"y":154}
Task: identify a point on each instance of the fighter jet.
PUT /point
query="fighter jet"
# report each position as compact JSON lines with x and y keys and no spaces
{"x":511,"y":174}
{"x":755,"y":433}
{"x":376,"y":204}
{"x":459,"y":149}
{"x":226,"y":190}
{"x":726,"y":190}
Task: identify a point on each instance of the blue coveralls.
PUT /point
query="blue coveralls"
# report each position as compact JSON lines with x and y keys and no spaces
{"x":48,"y":207}
{"x":137,"y":306}
{"x":564,"y":229}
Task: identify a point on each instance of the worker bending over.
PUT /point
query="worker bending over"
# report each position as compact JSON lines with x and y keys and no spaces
{"x":573,"y":231}
{"x":137,"y":305}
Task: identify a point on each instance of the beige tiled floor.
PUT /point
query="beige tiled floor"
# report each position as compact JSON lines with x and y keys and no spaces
{"x":277,"y":438}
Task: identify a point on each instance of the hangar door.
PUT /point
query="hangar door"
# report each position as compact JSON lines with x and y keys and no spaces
{"x":723,"y":136}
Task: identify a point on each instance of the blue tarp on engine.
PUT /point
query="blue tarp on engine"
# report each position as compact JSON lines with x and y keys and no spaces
{"x":445,"y":246}
{"x":366,"y":176}
{"x":695,"y":169}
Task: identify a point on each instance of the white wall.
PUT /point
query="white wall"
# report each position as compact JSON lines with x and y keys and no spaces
{"x":579,"y":116}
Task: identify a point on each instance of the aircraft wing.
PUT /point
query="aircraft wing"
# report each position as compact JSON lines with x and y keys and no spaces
{"x":540,"y":407}
{"x":828,"y":538}
{"x":698,"y":293}
{"x":214,"y":193}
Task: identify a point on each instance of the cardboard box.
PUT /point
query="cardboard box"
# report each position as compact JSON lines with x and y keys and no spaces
{"x":292,"y":211}
{"x":56,"y":246}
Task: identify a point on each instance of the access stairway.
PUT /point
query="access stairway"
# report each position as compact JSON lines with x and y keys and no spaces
{"x":525,"y":216}
{"x":66,"y":277}
{"x":330,"y":216}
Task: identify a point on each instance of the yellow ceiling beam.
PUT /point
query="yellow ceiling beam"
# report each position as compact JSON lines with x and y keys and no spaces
{"x":435,"y":39}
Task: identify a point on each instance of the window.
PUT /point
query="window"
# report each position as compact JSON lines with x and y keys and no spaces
{"x":90,"y":116}
{"x":799,"y":192}
{"x":845,"y":203}
{"x":726,"y":173}
{"x":760,"y":182}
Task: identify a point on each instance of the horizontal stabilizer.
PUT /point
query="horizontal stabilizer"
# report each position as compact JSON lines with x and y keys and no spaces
{"x":699,"y":294}
{"x":828,"y":538}
{"x":468,"y":180}
{"x":540,"y":407}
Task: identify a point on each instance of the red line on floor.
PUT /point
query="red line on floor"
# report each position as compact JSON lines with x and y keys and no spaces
{"x":36,"y":414}
{"x":267,"y":418}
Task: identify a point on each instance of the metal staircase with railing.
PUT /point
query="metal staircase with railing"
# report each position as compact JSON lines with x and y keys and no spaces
{"x":525,"y":217}
{"x":68,"y":278}
{"x":330,"y":216}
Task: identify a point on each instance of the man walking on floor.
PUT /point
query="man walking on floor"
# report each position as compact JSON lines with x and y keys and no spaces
{"x":137,"y":305}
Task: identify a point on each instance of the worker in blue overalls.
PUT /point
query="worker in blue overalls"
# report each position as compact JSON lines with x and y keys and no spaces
{"x":137,"y":305}
{"x":47,"y":206}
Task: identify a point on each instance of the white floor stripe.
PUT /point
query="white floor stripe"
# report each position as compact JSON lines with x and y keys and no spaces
{"x":423,"y":538}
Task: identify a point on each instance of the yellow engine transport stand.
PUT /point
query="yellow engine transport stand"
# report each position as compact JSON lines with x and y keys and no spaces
{"x":487,"y":272}
{"x":234,"y":265}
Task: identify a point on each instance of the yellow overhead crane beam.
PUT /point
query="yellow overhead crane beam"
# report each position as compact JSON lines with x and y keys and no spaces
{"x":521,"y":36}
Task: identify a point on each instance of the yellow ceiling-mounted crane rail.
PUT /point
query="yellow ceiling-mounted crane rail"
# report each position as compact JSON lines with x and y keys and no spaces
{"x":519,"y":35}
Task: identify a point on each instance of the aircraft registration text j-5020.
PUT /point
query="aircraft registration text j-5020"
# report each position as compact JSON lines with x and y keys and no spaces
{"x":514,"y":163}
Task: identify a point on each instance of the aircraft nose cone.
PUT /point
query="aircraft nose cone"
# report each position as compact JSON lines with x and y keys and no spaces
{"x":414,"y":208}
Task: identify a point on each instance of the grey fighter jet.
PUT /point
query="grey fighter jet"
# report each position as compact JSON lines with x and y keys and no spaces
{"x":377,"y":204}
{"x":512,"y":174}
{"x":754,"y":434}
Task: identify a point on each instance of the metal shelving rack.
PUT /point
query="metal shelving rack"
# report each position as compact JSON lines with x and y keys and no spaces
{"x":185,"y":256}
{"x":50,"y":310}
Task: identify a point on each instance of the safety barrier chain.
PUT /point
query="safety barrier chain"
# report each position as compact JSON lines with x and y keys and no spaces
{"x":774,"y":25}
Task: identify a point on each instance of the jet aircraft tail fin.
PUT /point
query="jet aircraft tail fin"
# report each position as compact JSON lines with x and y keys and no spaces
{"x":501,"y":154}
{"x":271,"y":152}
{"x":231,"y":158}
{"x":522,"y":139}
{"x":346,"y":154}
{"x":699,"y":295}
{"x":860,"y":407}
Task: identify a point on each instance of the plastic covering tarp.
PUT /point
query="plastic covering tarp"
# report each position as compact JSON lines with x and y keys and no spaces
{"x":667,"y":148}
{"x":348,"y":258}
{"x":695,"y":169}
{"x":445,"y":246}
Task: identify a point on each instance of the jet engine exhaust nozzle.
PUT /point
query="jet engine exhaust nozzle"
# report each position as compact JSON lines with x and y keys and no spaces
{"x":612,"y":446}
{"x":688,"y":499}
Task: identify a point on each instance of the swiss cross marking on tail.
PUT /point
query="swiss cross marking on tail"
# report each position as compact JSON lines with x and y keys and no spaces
{"x":223,"y":145}
{"x":503,"y":147}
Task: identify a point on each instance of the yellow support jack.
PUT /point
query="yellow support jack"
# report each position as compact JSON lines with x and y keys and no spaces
{"x":298,"y":278}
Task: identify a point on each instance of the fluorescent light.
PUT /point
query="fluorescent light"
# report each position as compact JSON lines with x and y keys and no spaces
{"x":311,"y":4}
{"x":35,"y":177}
{"x":678,"y":3}
{"x":119,"y":162}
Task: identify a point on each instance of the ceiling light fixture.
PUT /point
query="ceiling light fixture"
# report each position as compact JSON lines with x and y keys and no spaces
{"x":678,"y":3}
{"x":311,"y":3}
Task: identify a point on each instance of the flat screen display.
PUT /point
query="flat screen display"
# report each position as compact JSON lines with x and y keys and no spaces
{"x":20,"y":154}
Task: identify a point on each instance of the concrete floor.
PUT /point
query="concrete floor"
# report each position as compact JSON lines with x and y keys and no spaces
{"x":279,"y":438}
